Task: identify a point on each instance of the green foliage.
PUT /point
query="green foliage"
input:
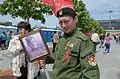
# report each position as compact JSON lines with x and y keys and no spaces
{"x":25,"y":9}
{"x":96,"y":26}
{"x":85,"y":22}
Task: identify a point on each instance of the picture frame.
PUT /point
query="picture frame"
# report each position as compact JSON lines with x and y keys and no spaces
{"x":34,"y":45}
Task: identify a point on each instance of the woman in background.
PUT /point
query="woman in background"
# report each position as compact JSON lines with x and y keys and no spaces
{"x":107,"y":43}
{"x":21,"y":67}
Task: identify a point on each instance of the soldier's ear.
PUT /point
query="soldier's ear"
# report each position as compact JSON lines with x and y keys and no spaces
{"x":76,"y":19}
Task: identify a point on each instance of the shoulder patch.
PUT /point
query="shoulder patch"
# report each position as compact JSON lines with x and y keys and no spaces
{"x":92,"y":60}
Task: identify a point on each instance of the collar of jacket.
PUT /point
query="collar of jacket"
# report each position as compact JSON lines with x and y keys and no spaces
{"x":70,"y":34}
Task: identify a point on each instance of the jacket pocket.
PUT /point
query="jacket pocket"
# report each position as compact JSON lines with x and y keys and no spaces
{"x":74,"y":57}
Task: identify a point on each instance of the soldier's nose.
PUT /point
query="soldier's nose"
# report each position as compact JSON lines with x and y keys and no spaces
{"x":63,"y":25}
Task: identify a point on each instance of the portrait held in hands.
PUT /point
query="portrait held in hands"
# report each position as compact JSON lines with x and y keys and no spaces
{"x":34,"y":45}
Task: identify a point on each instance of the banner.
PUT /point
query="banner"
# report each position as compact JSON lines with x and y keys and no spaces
{"x":58,"y":4}
{"x":50,"y":2}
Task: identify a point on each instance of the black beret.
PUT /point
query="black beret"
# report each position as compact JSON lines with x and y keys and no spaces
{"x":66,"y":12}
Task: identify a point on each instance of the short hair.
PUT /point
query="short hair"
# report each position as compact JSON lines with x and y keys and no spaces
{"x":108,"y":34}
{"x":55,"y":32}
{"x":24,"y":25}
{"x":11,"y":32}
{"x":66,"y":12}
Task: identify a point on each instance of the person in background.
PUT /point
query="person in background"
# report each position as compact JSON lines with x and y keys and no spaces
{"x":102,"y":37}
{"x":95,"y":38}
{"x":3,"y":39}
{"x":88,"y":32}
{"x":55,"y":40}
{"x":10,"y":33}
{"x":107,"y":43}
{"x":114,"y":36}
{"x":117,"y":39}
{"x":21,"y":67}
{"x":9,"y":37}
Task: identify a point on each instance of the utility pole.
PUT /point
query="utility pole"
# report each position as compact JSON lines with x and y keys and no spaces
{"x":110,"y":25}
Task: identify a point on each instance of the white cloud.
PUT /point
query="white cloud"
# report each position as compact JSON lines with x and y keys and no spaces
{"x":99,"y":9}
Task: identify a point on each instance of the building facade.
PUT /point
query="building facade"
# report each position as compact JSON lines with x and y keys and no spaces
{"x":6,"y":29}
{"x":113,"y":24}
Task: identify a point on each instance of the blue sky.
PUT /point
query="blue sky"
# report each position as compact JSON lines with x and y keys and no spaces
{"x":98,"y":9}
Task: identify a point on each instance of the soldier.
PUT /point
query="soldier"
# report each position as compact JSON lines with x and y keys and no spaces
{"x":75,"y":56}
{"x":74,"y":53}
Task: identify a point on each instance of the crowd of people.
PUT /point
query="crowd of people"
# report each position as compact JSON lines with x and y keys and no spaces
{"x":104,"y":40}
{"x":117,"y":38}
{"x":5,"y":38}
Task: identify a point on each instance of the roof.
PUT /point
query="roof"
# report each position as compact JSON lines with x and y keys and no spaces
{"x":2,"y":26}
{"x":113,"y":20}
{"x":50,"y":30}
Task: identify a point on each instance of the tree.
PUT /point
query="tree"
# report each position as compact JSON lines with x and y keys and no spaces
{"x":85,"y":21}
{"x":25,"y":9}
{"x":96,"y":26}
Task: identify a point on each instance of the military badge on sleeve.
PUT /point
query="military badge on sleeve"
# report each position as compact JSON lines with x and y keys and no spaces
{"x":92,"y":60}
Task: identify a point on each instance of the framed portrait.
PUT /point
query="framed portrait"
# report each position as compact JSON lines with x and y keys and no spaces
{"x":34,"y":45}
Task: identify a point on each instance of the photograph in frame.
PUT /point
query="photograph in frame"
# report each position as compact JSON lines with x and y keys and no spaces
{"x":34,"y":45}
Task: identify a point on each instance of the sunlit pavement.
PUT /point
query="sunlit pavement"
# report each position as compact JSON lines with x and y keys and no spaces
{"x":108,"y":63}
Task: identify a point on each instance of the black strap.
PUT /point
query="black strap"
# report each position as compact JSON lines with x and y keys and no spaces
{"x":26,"y":61}
{"x":78,"y":57}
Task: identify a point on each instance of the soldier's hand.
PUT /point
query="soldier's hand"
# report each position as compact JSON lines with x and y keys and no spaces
{"x":42,"y":63}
